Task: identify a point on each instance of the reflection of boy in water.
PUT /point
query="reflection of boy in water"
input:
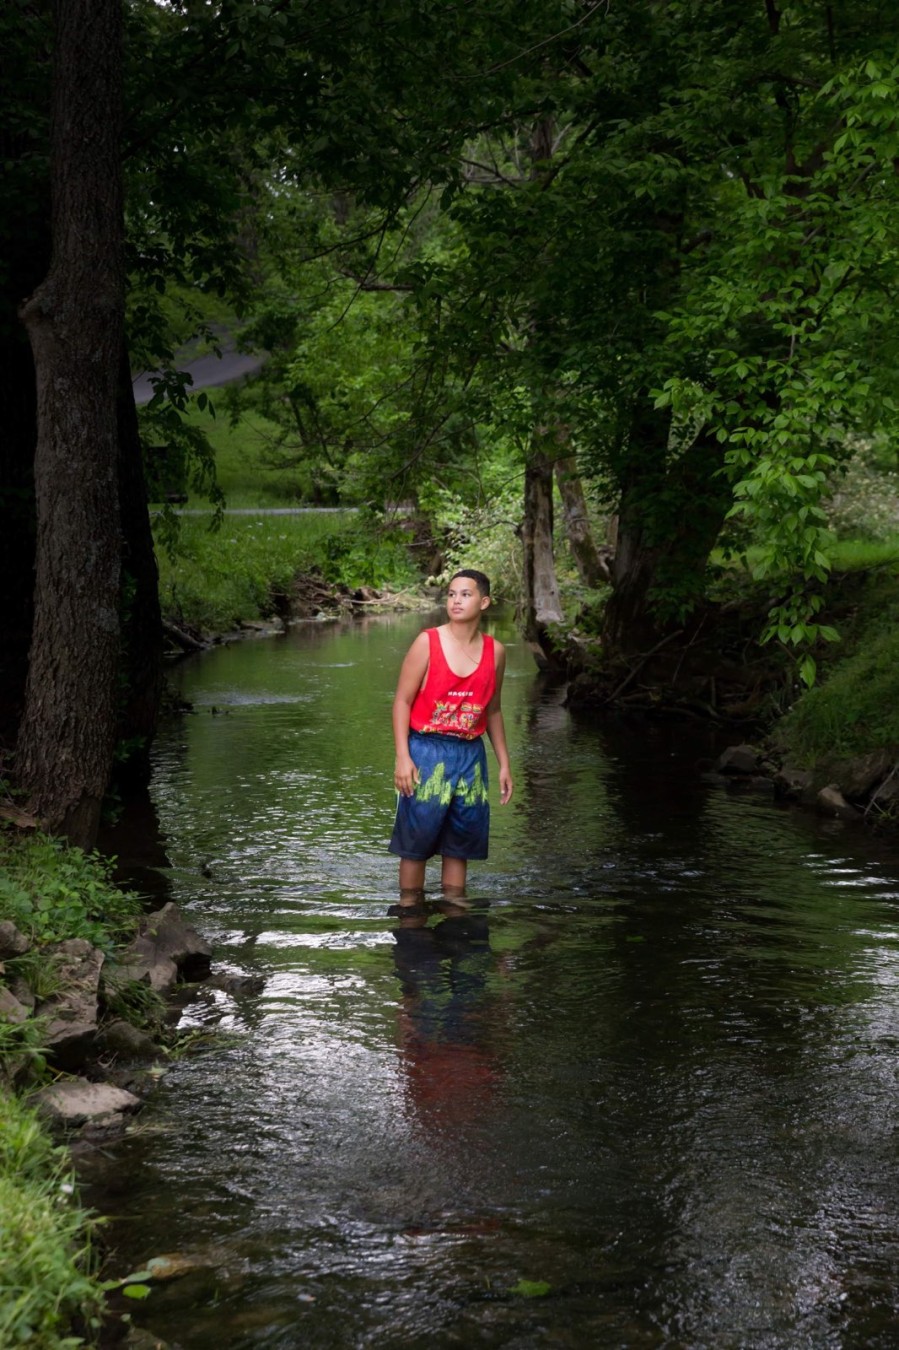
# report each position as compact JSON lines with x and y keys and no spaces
{"x":447,"y":697}
{"x":445,"y":973}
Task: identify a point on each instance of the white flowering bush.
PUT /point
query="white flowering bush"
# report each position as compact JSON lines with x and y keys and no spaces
{"x":865,"y":498}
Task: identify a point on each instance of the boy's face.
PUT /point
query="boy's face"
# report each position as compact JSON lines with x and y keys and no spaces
{"x":463,"y":599}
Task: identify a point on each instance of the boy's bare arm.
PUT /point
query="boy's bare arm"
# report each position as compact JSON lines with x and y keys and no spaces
{"x":496,"y":730}
{"x":412,"y":674}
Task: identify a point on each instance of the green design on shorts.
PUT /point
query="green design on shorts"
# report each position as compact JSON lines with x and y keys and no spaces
{"x":438,"y":788}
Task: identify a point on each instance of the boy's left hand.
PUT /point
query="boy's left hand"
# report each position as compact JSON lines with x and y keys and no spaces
{"x":506,"y":787}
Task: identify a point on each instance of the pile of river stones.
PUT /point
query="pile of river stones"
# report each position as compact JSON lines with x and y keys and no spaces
{"x":863,"y":789}
{"x":79,"y":1037}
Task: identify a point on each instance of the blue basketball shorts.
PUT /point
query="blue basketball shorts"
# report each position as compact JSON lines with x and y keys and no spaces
{"x":449,"y":813}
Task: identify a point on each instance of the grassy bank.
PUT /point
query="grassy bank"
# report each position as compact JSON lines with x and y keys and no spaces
{"x":214,"y":579}
{"x":854,"y":707}
{"x":50,"y":1293}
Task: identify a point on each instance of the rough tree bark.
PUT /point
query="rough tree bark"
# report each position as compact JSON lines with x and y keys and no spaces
{"x":141,"y":617}
{"x":542,"y":603}
{"x":75,"y":325}
{"x":25,"y":249}
{"x":591,"y":565}
{"x":541,"y":589}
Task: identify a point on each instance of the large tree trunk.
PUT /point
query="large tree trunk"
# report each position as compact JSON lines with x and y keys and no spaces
{"x":592,"y":567}
{"x":18,"y":421}
{"x":75,"y":324}
{"x":542,"y":604}
{"x":26,"y":258}
{"x":671,"y":513}
{"x":141,"y":617}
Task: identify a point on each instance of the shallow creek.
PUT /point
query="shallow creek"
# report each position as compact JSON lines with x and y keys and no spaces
{"x":643,"y":1094}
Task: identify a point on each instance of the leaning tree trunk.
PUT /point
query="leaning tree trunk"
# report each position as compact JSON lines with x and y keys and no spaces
{"x":541,"y":600}
{"x":542,"y":604}
{"x":75,"y":324}
{"x":592,"y":567}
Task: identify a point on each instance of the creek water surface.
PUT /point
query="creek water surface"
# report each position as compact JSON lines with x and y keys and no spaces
{"x":643,"y":1094}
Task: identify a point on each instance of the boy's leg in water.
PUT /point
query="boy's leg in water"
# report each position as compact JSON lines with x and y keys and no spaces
{"x":452,"y":878}
{"x":412,"y":881}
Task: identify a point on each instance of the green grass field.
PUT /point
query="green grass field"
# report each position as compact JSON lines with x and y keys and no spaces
{"x":241,"y":452}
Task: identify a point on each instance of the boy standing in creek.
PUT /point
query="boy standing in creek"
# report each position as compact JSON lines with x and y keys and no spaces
{"x":447,"y":697}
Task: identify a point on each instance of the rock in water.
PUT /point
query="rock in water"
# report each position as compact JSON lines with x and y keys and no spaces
{"x":76,"y":1101}
{"x":165,"y":949}
{"x":831,"y":802}
{"x":738,"y":759}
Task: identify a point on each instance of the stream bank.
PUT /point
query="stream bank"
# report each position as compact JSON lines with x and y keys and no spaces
{"x":833,"y":748}
{"x":91,"y":991}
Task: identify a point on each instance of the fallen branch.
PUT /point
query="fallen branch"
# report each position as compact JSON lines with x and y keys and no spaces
{"x":641,"y":662}
{"x":186,"y":641}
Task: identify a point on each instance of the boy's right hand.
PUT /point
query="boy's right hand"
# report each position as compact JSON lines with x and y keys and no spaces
{"x":405,"y":776}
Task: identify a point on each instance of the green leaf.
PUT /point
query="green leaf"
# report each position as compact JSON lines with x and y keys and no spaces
{"x":531,"y":1289}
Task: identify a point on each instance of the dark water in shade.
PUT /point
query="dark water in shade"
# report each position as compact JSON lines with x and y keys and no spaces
{"x":656,"y":1069}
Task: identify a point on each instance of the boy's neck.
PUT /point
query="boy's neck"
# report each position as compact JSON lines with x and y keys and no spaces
{"x":464,"y":630}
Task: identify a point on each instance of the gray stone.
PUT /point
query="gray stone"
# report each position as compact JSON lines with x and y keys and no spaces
{"x":858,"y":776}
{"x":121,"y":1038}
{"x":790,"y":782}
{"x":20,"y":990}
{"x":235,"y":984}
{"x":165,"y":949}
{"x":71,"y":1012}
{"x":831,"y":802}
{"x":888,"y":793}
{"x":138,"y":1338}
{"x":12,"y":942}
{"x":75,"y":1101}
{"x":738,"y":759}
{"x":11,"y":1010}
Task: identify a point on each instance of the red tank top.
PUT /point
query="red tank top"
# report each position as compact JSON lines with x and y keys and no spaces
{"x":451,"y":704}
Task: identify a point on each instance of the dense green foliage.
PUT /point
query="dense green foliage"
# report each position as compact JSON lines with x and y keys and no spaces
{"x":52,"y":892}
{"x":671,"y":252}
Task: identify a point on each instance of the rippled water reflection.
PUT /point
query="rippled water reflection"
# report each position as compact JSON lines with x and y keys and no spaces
{"x":654,"y":1069}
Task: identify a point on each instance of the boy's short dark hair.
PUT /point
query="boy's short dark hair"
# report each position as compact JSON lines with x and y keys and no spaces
{"x":480,"y":578}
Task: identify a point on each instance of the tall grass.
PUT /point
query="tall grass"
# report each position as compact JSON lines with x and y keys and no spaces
{"x":45,"y":1239}
{"x":855,"y":555}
